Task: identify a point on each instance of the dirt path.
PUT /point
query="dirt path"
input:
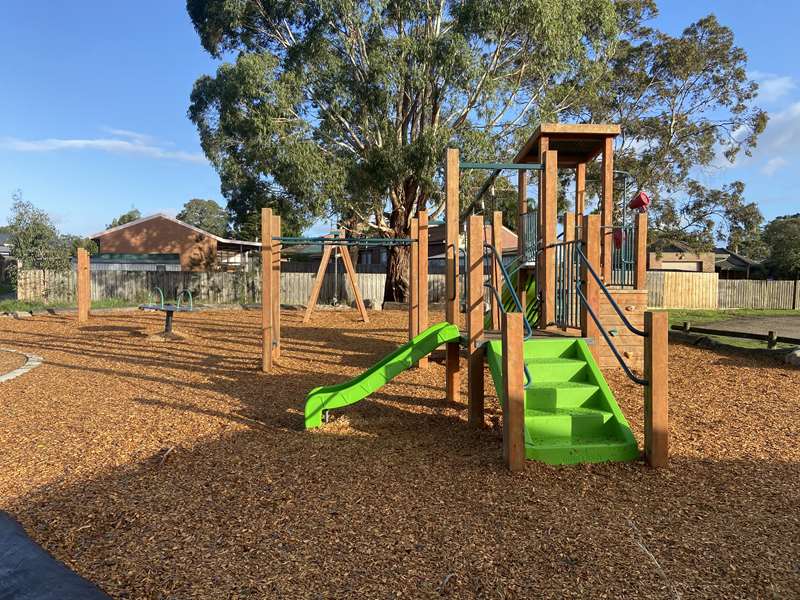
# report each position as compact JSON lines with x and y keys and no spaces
{"x":178,"y":470}
{"x":787,"y":326}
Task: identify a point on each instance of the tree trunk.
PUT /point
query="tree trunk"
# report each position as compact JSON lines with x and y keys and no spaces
{"x":396,"y":289}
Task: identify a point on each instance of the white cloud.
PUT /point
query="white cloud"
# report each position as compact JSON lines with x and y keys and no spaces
{"x":774,"y":164}
{"x":121,"y":141}
{"x":772,"y":87}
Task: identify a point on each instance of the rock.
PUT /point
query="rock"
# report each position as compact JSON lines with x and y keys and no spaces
{"x":21,"y":314}
{"x":793,"y":358}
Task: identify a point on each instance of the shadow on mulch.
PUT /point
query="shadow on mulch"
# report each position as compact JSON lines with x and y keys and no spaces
{"x":223,"y":494}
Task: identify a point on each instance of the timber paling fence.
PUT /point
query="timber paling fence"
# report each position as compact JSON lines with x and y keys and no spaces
{"x":666,"y":289}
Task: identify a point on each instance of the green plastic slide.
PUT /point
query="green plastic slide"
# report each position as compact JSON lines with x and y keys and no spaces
{"x":336,"y":396}
{"x":531,"y":308}
{"x":571,"y":415}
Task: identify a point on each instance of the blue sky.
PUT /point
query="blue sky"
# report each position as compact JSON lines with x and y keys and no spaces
{"x":94,"y":97}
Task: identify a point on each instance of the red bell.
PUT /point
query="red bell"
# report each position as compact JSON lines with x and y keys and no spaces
{"x":619,"y":236}
{"x":640,"y":202}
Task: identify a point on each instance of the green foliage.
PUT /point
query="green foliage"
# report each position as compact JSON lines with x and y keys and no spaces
{"x":124,"y":218}
{"x":205,"y":214}
{"x":345,"y":108}
{"x":74,"y":242}
{"x":782,"y":236}
{"x":35,"y":240}
{"x":683,"y":103}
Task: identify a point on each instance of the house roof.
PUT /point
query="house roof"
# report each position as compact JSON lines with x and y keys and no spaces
{"x":727,"y":260}
{"x":179,"y":222}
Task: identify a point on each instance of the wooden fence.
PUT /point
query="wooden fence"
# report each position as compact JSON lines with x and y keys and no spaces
{"x":206,"y":287}
{"x":675,"y":289}
{"x":666,"y":289}
{"x":759,"y":294}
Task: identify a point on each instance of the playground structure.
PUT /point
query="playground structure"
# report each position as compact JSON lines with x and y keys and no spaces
{"x":576,"y":306}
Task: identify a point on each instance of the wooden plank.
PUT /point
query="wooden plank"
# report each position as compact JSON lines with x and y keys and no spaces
{"x":422,"y":278}
{"x":548,"y":210}
{"x":475,"y":280}
{"x":276,"y":288}
{"x":640,"y":245}
{"x":607,"y":207}
{"x":353,"y":276}
{"x":569,"y":226}
{"x":514,"y":392}
{"x":475,"y":370}
{"x":497,"y":280}
{"x":591,"y":245}
{"x":84,"y":282}
{"x":317,"y":286}
{"x":656,"y":399}
{"x":413,"y":282}
{"x":451,"y":177}
{"x":266,"y":290}
{"x":580,"y":191}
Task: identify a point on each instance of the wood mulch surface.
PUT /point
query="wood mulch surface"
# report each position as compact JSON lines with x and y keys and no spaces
{"x":10,"y":361}
{"x":178,"y":470}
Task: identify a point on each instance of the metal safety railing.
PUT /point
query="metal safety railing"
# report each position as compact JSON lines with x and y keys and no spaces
{"x":583,"y":261}
{"x":529,"y":227}
{"x":567,"y":272}
{"x":510,"y":285}
{"x":623,"y":255}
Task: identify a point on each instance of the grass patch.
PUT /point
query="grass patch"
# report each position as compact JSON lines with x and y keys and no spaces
{"x":699,"y":317}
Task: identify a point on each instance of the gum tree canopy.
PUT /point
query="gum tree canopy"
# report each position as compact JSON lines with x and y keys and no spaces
{"x":345,"y":108}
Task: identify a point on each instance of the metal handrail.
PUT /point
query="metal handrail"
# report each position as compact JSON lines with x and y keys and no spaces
{"x":610,"y":343}
{"x":613,"y":302}
{"x":510,"y":285}
{"x":161,"y":293}
{"x":181,"y":294}
{"x":499,"y":300}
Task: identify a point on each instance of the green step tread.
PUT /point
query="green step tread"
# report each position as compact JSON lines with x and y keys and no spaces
{"x":568,"y":412}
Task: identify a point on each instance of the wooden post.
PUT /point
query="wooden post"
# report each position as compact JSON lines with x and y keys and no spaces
{"x":422,"y":279}
{"x":84,"y":283}
{"x":353,"y":277}
{"x":413,"y":281}
{"x":276,"y":288}
{"x":640,"y":274}
{"x":266,"y":290}
{"x":580,"y":191}
{"x":569,"y":226}
{"x":548,"y":236}
{"x":607,"y":208}
{"x":656,"y":393}
{"x":514,"y":393}
{"x":474,"y":266}
{"x":312,"y":299}
{"x":452,"y":173}
{"x":497,"y":280}
{"x":452,"y":170}
{"x":590,"y":288}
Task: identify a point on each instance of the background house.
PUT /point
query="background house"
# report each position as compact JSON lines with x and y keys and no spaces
{"x":159,"y":242}
{"x":5,"y":255}
{"x":731,"y":265}
{"x":677,"y":256}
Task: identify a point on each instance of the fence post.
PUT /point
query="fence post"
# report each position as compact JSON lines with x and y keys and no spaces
{"x":276,"y":288}
{"x":422,"y":278}
{"x":514,"y":392}
{"x":591,"y":248}
{"x":84,"y":284}
{"x":656,"y":392}
{"x":640,"y":274}
{"x":475,"y":317}
{"x":451,"y":178}
{"x":266,"y":289}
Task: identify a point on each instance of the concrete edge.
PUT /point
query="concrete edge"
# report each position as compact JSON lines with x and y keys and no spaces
{"x":32,"y":361}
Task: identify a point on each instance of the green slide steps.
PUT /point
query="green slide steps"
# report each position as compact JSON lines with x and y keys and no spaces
{"x":337,"y":396}
{"x":570,"y":413}
{"x":531,"y":308}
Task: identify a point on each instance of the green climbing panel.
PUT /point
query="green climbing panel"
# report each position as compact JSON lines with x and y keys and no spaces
{"x":531,"y":307}
{"x":570,"y":413}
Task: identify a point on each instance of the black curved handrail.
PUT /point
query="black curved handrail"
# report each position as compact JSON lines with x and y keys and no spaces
{"x":510,"y":285}
{"x":499,"y":300}
{"x":613,"y":302}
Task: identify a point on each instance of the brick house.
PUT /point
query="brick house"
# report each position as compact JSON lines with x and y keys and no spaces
{"x":160,"y":234}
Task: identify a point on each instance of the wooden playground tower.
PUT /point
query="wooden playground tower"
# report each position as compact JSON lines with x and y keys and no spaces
{"x":584,"y":290}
